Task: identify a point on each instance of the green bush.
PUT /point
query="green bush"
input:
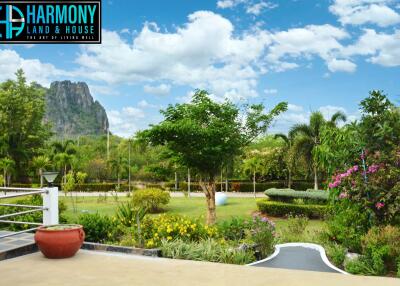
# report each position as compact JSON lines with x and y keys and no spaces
{"x":171,"y":227}
{"x":153,"y":200}
{"x":233,"y":229}
{"x":336,"y":253}
{"x":36,"y":217}
{"x":296,"y":226}
{"x":363,"y":266}
{"x":100,"y":228}
{"x":262,"y":234}
{"x":205,"y":250}
{"x":288,"y":195}
{"x":384,"y":240}
{"x":346,"y":225}
{"x":101,"y":187}
{"x":284,"y":209}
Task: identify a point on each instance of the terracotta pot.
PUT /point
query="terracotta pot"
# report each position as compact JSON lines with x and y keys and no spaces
{"x":56,"y":242}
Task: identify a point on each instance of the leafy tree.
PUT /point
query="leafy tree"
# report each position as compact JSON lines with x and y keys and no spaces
{"x":119,"y":165}
{"x":289,"y":158}
{"x":204,"y":135}
{"x":380,"y":122}
{"x":23,"y":131}
{"x":39,"y":163}
{"x":7,"y":165}
{"x":63,"y":155}
{"x":307,"y":138}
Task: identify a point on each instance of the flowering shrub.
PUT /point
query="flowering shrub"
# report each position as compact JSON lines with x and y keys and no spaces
{"x":170,"y":227}
{"x":262,"y":233}
{"x":375,"y":186}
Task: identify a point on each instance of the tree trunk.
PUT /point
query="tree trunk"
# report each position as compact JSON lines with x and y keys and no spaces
{"x":315,"y":178}
{"x":176,"y":181}
{"x":209,"y":190}
{"x":41,"y":177}
{"x":188,"y":182}
{"x":290,"y":179}
{"x":118,"y":181}
{"x":254,"y":183}
{"x":5,"y":178}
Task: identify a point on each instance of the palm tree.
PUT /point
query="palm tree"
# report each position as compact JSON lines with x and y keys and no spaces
{"x":253,"y":165}
{"x":307,"y":137}
{"x":288,"y":144}
{"x":62,"y":161}
{"x":63,"y":155}
{"x":39,"y":163}
{"x":7,"y":165}
{"x":118,"y":166}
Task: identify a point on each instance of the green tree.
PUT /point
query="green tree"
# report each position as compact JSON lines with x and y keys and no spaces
{"x":7,"y":165}
{"x":63,"y":155}
{"x":23,"y":131}
{"x":288,"y":157}
{"x":307,"y":138}
{"x":204,"y":135}
{"x":119,"y":165}
{"x":40,"y":163}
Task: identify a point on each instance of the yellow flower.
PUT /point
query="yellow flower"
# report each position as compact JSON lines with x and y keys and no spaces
{"x":169,"y":237}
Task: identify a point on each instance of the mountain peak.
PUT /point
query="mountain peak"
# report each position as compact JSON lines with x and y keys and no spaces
{"x":72,"y":110}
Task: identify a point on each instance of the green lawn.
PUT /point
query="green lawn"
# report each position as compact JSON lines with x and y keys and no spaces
{"x":191,"y":207}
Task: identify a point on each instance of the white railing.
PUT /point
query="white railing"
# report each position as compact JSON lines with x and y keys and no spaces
{"x":49,"y":208}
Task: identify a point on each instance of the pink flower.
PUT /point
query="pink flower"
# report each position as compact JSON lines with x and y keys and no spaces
{"x":379,"y":205}
{"x":373,"y":169}
{"x":342,"y":195}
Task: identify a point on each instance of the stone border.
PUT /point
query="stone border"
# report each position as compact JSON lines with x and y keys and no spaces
{"x":121,"y":249}
{"x":314,"y":246}
{"x":18,"y":251}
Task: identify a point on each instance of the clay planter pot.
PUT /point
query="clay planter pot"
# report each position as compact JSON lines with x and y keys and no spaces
{"x":59,"y":241}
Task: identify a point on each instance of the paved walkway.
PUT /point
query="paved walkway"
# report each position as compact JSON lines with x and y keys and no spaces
{"x":89,"y":268}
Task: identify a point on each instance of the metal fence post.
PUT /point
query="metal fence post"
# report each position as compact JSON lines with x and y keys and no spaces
{"x":50,"y":204}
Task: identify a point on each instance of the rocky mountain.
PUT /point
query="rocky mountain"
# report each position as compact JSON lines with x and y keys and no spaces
{"x":72,"y":110}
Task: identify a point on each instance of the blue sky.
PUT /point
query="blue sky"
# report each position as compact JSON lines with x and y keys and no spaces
{"x":317,"y":55}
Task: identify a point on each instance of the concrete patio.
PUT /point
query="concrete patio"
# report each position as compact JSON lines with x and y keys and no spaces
{"x":94,"y":268}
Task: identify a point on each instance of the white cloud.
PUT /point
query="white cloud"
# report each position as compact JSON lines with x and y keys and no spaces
{"x":162,"y":89}
{"x":144,"y":104}
{"x":183,"y":57}
{"x":335,"y":65}
{"x":35,"y":70}
{"x":296,"y":114}
{"x":257,"y":8}
{"x":223,"y":4}
{"x":358,"y":12}
{"x":295,"y":108}
{"x":271,"y":91}
{"x":306,"y":42}
{"x":382,"y":49}
{"x":125,"y":122}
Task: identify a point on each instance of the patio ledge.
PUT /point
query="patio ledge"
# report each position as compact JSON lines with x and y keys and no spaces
{"x":97,"y":268}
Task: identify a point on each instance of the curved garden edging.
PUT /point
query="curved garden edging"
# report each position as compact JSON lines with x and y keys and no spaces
{"x":313,"y":246}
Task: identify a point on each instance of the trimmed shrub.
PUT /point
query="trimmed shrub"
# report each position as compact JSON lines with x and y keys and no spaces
{"x":284,"y":209}
{"x":100,"y":228}
{"x":288,"y":195}
{"x":153,"y":200}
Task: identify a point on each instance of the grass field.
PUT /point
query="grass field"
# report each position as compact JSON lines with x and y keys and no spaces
{"x":191,"y":207}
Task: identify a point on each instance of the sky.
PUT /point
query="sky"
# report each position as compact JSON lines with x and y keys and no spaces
{"x":316,"y":55}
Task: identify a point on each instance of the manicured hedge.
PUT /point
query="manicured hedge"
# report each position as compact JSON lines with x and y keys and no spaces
{"x":283,"y":209}
{"x":288,"y":195}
